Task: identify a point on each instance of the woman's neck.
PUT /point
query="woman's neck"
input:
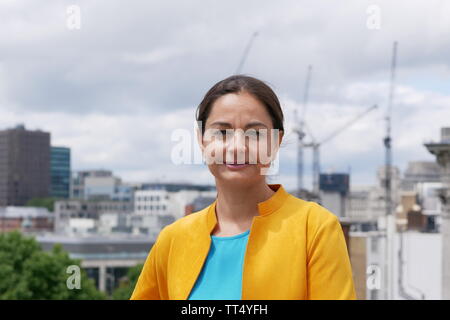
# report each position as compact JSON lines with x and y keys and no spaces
{"x":237,"y":205}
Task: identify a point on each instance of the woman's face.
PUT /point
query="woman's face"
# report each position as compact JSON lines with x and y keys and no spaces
{"x":238,"y":131}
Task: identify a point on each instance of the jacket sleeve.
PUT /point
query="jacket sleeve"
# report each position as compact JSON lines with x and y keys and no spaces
{"x":329,"y":270}
{"x":151,"y":282}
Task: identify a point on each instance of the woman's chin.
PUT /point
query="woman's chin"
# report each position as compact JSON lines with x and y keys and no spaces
{"x":236,"y":180}
{"x":238,"y":176}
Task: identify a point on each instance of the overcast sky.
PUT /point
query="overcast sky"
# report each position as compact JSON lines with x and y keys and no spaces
{"x":115,"y":89}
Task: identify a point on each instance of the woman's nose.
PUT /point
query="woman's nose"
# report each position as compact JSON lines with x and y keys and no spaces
{"x":236,"y":147}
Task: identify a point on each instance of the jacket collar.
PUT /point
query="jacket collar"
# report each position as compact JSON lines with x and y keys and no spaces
{"x":264,"y":208}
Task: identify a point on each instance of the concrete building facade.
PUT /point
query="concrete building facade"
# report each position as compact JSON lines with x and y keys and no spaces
{"x":24,"y":165}
{"x":26,"y":219}
{"x":441,"y":150}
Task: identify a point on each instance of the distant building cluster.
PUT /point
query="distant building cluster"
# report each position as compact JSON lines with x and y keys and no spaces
{"x":86,"y":201}
{"x":419,"y":185}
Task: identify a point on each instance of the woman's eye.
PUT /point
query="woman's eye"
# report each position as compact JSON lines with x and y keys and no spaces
{"x":255,"y":133}
{"x":221,"y":133}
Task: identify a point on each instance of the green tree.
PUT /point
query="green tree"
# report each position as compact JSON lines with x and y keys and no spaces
{"x":28,"y":272}
{"x":126,"y":286}
{"x":48,"y":203}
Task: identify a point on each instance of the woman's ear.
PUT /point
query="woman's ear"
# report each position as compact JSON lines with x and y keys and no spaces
{"x":280,"y":137}
{"x":200,"y":139}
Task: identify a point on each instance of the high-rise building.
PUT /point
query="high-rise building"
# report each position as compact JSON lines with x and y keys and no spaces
{"x":24,"y":165}
{"x":333,"y":189}
{"x":60,"y":172}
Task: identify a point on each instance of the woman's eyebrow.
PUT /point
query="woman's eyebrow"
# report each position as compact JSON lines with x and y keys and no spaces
{"x":221,"y":123}
{"x":255,"y":124}
{"x":250,"y":124}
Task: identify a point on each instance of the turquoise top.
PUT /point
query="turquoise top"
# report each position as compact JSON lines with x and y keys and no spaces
{"x":221,"y":276}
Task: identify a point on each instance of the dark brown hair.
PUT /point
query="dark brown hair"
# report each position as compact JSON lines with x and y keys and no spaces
{"x":236,"y":84}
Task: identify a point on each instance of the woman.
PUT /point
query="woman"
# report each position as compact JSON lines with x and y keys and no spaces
{"x":255,"y":241}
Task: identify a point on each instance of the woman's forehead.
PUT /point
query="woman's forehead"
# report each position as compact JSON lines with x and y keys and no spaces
{"x":242,"y":108}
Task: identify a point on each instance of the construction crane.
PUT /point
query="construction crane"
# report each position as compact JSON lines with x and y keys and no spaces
{"x":316,"y":146}
{"x":246,"y":51}
{"x":299,"y":130}
{"x":387,"y":141}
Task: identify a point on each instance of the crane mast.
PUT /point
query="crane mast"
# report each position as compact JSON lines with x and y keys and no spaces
{"x":301,"y":132}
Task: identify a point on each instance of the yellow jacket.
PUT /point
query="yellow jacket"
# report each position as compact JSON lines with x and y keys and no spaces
{"x":296,"y":250}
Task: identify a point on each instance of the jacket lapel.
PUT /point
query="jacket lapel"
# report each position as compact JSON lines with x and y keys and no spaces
{"x":195,"y":252}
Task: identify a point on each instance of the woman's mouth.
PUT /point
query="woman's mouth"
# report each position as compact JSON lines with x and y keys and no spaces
{"x":235,"y":166}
